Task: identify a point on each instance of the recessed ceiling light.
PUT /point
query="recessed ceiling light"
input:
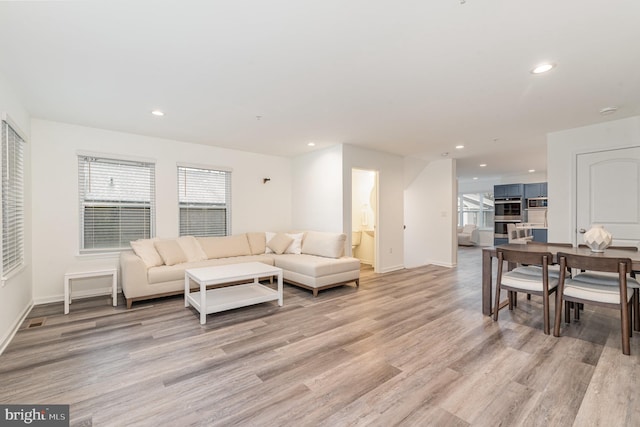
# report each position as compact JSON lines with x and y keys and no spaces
{"x":542,"y":68}
{"x":532,"y":170}
{"x":459,"y":147}
{"x":157,"y":113}
{"x":608,"y":110}
{"x":475,"y":177}
{"x":311,"y":144}
{"x":483,"y":165}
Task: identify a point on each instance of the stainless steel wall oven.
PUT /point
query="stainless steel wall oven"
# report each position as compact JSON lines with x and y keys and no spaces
{"x":508,"y":209}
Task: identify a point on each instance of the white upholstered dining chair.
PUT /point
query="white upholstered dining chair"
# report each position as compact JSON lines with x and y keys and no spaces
{"x":611,"y":292}
{"x":514,"y":281}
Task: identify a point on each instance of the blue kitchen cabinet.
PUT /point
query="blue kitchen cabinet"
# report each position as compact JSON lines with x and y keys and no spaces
{"x":535,"y":190}
{"x":507,"y":190}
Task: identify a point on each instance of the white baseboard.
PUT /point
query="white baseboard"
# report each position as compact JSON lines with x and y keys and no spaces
{"x":392,"y":268}
{"x":14,"y":328}
{"x":443,"y":264}
{"x":86,"y":293}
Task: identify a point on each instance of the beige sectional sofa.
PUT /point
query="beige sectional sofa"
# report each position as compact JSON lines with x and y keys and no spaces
{"x":312,"y":260}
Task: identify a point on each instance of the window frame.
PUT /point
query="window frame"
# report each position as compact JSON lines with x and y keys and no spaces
{"x":119,"y":204}
{"x":13,"y":196}
{"x":182,"y":168}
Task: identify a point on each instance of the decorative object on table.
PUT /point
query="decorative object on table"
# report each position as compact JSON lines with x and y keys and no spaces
{"x":597,"y":238}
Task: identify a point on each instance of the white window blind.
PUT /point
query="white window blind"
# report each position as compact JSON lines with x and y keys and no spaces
{"x":12,"y":200}
{"x":204,"y":198}
{"x":117,"y":202}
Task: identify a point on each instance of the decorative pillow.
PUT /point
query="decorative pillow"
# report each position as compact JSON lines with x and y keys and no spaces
{"x":296,"y":246}
{"x":257,"y":243}
{"x":279,"y":243}
{"x":268,"y":235}
{"x":170,"y":251}
{"x":330,"y":245}
{"x":145,"y":249}
{"x":224,"y":247}
{"x":191,"y":248}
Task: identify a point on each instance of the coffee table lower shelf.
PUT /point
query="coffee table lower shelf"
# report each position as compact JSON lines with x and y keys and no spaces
{"x":231,"y":297}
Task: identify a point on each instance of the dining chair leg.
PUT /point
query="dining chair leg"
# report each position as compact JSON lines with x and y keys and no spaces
{"x":496,"y":307}
{"x":636,"y":309}
{"x":624,"y":320}
{"x":528,"y":296}
{"x":556,"y":324}
{"x":545,"y":309}
{"x":630,"y":318}
{"x":576,"y":311}
{"x":567,"y":312}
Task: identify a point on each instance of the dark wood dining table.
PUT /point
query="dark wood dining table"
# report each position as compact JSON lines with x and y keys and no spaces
{"x":488,"y":254}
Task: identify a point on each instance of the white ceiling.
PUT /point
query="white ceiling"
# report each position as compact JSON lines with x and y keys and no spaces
{"x":408,"y":77}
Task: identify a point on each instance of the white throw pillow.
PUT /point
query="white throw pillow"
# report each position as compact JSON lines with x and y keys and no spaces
{"x":191,"y":248}
{"x":296,"y":246}
{"x":268,"y":235}
{"x":146,"y":250}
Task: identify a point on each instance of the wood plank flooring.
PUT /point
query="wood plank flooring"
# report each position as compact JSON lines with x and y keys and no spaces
{"x":408,"y":348}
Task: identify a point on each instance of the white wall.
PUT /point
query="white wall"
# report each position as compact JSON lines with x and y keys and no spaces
{"x":16,"y":294}
{"x":390,"y":233}
{"x":317,"y":186}
{"x":255,"y":206}
{"x":562,"y":149}
{"x":430,"y":214}
{"x":322,"y":196}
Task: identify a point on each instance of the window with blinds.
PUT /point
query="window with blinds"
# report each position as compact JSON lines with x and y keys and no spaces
{"x":117,"y":202}
{"x":12,"y":200}
{"x":204,"y":199}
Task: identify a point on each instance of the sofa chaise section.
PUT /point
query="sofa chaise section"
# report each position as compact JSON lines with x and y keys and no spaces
{"x":317,"y":273}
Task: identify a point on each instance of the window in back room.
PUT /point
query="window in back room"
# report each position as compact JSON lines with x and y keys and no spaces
{"x":476,"y":208}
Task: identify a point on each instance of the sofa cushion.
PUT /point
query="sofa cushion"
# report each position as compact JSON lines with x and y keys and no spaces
{"x":330,"y":245}
{"x":170,"y":251}
{"x":279,"y":243}
{"x":169,"y":273}
{"x":316,"y":266}
{"x":257,"y":242}
{"x":191,"y":248}
{"x":222,"y":247}
{"x":146,"y":250}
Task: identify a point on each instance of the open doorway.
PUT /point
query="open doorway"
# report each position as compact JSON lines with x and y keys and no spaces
{"x":364,"y":215}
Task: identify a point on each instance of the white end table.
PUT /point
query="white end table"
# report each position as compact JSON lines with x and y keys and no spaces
{"x":227,"y":298}
{"x":85,"y":270}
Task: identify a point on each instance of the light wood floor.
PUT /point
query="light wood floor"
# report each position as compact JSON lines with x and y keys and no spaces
{"x":406,"y":348}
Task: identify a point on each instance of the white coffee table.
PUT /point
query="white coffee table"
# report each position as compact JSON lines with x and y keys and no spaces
{"x":229,"y":297}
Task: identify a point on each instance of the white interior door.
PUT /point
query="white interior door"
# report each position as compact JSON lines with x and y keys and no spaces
{"x":608,"y":193}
